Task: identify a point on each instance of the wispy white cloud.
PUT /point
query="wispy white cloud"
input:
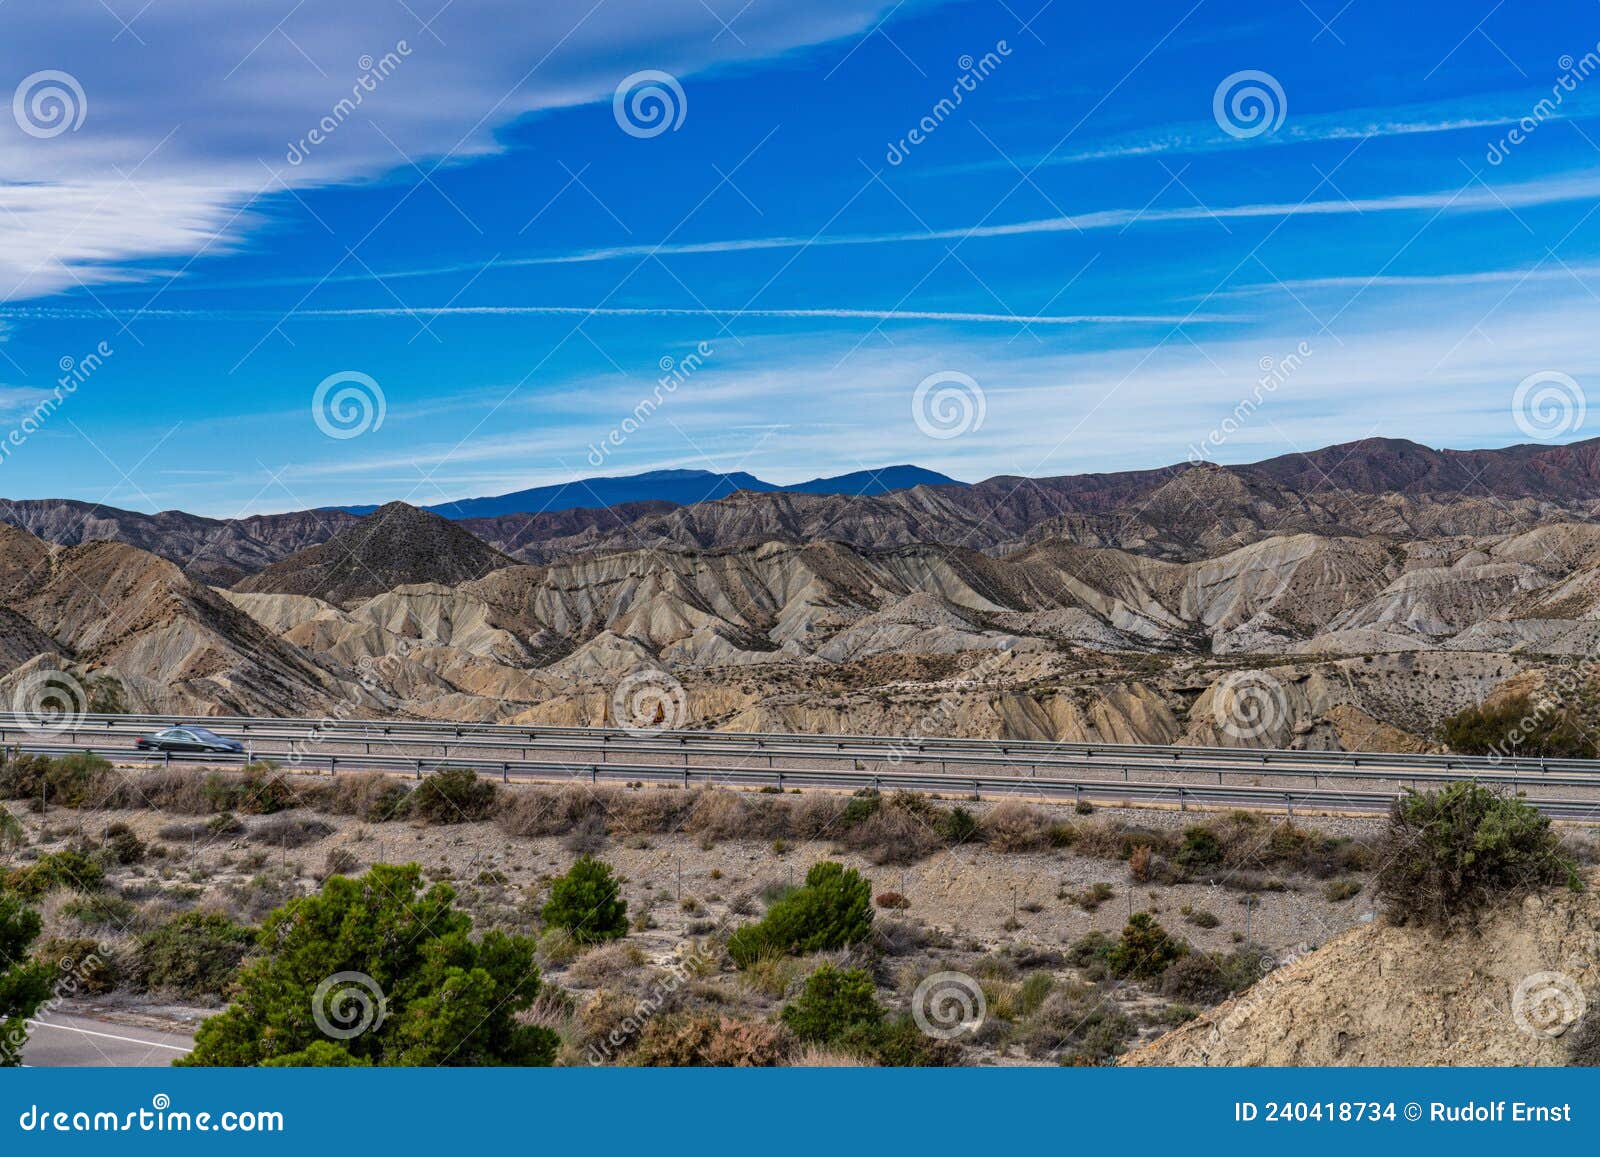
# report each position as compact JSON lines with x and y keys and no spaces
{"x":194,"y":110}
{"x":428,"y":313}
{"x":1472,"y":113}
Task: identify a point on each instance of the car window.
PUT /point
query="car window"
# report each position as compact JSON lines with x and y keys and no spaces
{"x":202,"y":733}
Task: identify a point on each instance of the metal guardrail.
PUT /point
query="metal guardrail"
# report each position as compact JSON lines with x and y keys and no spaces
{"x":900,"y":749}
{"x":1094,"y":790}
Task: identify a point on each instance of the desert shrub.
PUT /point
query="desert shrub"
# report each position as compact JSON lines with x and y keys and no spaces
{"x":1450,"y":854}
{"x":1200,"y":849}
{"x":1139,"y":865}
{"x":899,"y":1043}
{"x":122,"y":845}
{"x":1200,"y":918}
{"x":75,"y":780}
{"x":638,"y":812}
{"x":861,"y":806}
{"x":708,"y":1041}
{"x":587,"y":838}
{"x":816,"y":817}
{"x":892,"y":900}
{"x":528,"y":812}
{"x":1517,"y":726}
{"x":371,"y":797}
{"x":1077,"y":1024}
{"x":1090,"y":951}
{"x":1093,"y":896}
{"x":587,"y":903}
{"x":257,"y":790}
{"x":959,"y":826}
{"x":99,"y":909}
{"x":340,"y":861}
{"x":719,"y":814}
{"x":195,"y":954}
{"x":449,"y":997}
{"x":613,"y":963}
{"x":1016,"y":827}
{"x":290,"y":832}
{"x":67,"y":868}
{"x":832,"y":910}
{"x":834,"y":1004}
{"x":81,"y":965}
{"x":1195,"y":978}
{"x":894,"y":833}
{"x":452,"y":795}
{"x":1144,"y":950}
{"x":1336,"y":890}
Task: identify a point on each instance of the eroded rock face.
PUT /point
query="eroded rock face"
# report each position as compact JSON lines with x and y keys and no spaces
{"x":1385,"y":995}
{"x":1361,"y":641}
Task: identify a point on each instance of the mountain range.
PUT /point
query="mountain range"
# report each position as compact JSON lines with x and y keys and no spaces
{"x":1374,"y":587}
{"x":678,"y":487}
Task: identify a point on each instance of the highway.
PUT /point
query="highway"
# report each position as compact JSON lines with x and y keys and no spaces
{"x":60,"y":1040}
{"x":1142,"y":774}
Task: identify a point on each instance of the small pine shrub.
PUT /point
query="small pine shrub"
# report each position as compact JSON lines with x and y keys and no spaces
{"x":835,"y":1003}
{"x":587,"y":903}
{"x":195,"y":954}
{"x":832,"y":910}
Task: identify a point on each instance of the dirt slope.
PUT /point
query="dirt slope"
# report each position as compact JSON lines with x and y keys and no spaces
{"x":1385,"y":995}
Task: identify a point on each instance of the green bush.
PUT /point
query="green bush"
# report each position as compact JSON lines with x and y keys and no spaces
{"x":82,"y":965}
{"x":123,"y":846}
{"x":1200,"y":849}
{"x":76,"y":780}
{"x":1145,"y":950}
{"x":453,"y":795}
{"x":67,"y":868}
{"x":959,"y":826}
{"x":379,"y":971}
{"x":24,"y":983}
{"x":258,"y":790}
{"x":195,"y":954}
{"x":587,"y":903}
{"x":832,"y":910}
{"x":1520,"y":727}
{"x":834,"y":1003}
{"x":1451,"y":854}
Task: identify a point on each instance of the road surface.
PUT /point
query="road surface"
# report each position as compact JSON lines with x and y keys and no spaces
{"x":61,"y":1040}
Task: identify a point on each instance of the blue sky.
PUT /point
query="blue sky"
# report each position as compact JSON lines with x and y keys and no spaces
{"x":1094,"y":250}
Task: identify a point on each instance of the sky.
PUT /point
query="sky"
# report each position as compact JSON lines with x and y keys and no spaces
{"x":266,"y":256}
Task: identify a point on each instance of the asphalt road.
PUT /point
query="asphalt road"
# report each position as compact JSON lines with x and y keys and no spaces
{"x":63,"y":1041}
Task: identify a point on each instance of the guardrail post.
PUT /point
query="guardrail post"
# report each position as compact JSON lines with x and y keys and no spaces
{"x":505,"y":773}
{"x":419,"y":769}
{"x":1182,"y":804}
{"x":686,"y":777}
{"x":1288,"y":804}
{"x":333,"y":764}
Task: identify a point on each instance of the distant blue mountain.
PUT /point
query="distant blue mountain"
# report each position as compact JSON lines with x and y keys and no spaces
{"x":682,"y":487}
{"x":874,"y":481}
